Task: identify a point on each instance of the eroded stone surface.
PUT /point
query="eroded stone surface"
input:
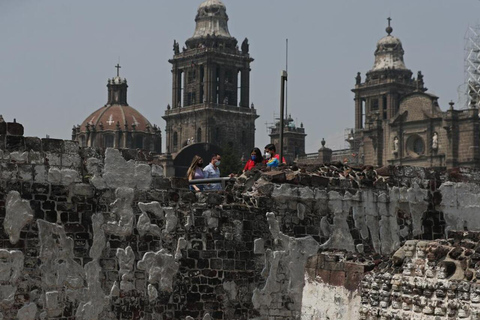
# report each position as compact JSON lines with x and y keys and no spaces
{"x":27,"y":312}
{"x":122,"y":219}
{"x":293,"y":258}
{"x":161,"y":268}
{"x":56,"y":254}
{"x":18,"y":214}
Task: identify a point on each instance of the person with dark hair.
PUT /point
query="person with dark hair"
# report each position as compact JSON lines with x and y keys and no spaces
{"x":272,"y":157}
{"x":212,"y":171}
{"x":195,"y":171}
{"x":255,"y":158}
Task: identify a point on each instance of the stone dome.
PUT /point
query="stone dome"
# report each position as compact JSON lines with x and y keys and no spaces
{"x":212,"y":3}
{"x":112,"y":116}
{"x":389,"y":53}
{"x":212,"y":20}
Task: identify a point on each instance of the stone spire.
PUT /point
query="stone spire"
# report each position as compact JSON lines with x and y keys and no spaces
{"x":117,"y":89}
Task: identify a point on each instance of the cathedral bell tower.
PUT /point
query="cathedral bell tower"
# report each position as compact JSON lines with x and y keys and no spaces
{"x":211,"y":86}
{"x":377,"y":99}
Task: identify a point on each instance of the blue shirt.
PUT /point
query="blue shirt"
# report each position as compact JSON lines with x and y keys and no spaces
{"x":211,"y":172}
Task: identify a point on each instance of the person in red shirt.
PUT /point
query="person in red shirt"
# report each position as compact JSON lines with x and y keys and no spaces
{"x":255,"y":158}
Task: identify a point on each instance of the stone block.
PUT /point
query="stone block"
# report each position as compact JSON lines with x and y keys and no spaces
{"x":52,"y":145}
{"x":15,"y":143}
{"x":70,"y":147}
{"x":274,"y":176}
{"x":71,"y":160}
{"x":259,"y":246}
{"x":14,"y":129}
{"x":33,"y":143}
{"x":2,"y":141}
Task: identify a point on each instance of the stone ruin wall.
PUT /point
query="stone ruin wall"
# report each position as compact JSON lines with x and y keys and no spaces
{"x":88,"y":236}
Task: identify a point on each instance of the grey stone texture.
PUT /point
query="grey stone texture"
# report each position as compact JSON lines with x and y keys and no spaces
{"x":108,"y":239}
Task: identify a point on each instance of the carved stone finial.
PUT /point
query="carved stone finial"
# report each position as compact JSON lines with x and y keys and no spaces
{"x":451,"y":103}
{"x":323,"y":142}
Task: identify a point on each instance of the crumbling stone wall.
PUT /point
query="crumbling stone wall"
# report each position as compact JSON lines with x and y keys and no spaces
{"x":90,"y":235}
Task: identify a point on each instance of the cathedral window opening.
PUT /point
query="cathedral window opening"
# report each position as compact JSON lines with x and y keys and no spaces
{"x":375,"y":105}
{"x":217,"y":86}
{"x":181,"y":91}
{"x":202,"y":79}
{"x":239,"y":88}
{"x":108,"y":141}
{"x":139,"y":142}
{"x":363,"y":114}
{"x":384,"y":107}
{"x":192,"y":76}
{"x":415,"y":145}
{"x":199,"y":135}
{"x":175,"y":141}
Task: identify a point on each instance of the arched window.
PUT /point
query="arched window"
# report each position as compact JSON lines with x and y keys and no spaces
{"x":199,"y":135}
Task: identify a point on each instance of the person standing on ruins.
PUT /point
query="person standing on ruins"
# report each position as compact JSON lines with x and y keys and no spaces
{"x":212,"y":171}
{"x":272,"y":157}
{"x":195,"y":171}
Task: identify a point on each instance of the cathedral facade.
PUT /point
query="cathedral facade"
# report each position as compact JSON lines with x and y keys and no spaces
{"x":397,"y":122}
{"x":211,"y":87}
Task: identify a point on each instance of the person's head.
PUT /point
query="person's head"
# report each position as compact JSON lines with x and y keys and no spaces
{"x":216,"y":159}
{"x":270,"y":150}
{"x":256,"y":155}
{"x":197,"y":162}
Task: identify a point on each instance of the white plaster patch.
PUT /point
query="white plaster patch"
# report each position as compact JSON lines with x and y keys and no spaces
{"x":56,"y":253}
{"x":161,"y":268}
{"x":336,"y":302}
{"x":170,"y":220}
{"x":126,"y":260}
{"x":144,"y":226}
{"x":19,"y":157}
{"x":64,"y":177}
{"x":18,"y":215}
{"x":152,"y":292}
{"x":122,"y":217}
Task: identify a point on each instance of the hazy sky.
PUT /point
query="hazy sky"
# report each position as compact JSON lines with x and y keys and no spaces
{"x":56,"y":55}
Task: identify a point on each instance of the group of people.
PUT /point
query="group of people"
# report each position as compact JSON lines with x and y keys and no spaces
{"x":196,"y":171}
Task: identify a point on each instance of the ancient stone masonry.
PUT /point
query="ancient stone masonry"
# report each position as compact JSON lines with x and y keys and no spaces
{"x":426,"y":280}
{"x":89,"y":235}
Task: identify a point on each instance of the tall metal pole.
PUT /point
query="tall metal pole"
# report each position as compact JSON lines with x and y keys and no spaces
{"x":284,"y":79}
{"x":286,"y":86}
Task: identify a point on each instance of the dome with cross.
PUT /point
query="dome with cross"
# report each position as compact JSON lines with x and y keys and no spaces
{"x":117,"y":124}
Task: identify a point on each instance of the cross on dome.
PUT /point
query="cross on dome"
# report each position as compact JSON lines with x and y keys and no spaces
{"x":118,"y":69}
